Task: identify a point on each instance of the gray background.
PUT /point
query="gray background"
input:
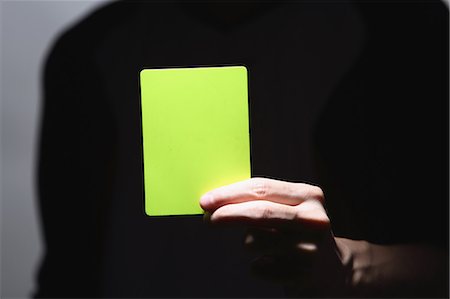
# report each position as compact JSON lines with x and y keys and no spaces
{"x":28,"y":29}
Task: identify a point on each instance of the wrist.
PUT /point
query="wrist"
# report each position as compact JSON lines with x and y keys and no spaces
{"x":356,"y":258}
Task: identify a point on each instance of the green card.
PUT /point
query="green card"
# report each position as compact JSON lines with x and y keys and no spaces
{"x":195,"y":126}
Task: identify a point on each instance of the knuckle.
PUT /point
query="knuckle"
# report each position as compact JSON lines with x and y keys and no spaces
{"x":265,"y":212}
{"x":260,"y":188}
{"x":316,"y":193}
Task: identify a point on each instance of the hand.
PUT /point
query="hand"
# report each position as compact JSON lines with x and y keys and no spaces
{"x":288,"y":228}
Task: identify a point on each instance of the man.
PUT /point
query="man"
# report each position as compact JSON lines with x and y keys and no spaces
{"x":351,"y":97}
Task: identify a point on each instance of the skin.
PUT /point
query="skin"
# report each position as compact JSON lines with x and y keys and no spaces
{"x":290,"y":232}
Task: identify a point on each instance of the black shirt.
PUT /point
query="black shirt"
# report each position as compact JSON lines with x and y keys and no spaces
{"x":352,"y":97}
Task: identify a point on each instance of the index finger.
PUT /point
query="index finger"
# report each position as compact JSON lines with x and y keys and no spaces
{"x":260,"y":189}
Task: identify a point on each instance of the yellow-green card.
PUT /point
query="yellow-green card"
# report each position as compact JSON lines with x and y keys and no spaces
{"x":195,"y":126}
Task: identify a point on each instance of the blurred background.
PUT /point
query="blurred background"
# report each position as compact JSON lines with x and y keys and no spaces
{"x":28,"y":29}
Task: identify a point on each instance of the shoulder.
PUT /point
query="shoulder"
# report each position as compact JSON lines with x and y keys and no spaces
{"x":80,"y":39}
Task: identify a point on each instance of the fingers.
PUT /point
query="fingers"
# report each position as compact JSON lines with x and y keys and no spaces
{"x":293,"y":229}
{"x":262,"y":213}
{"x":255,"y":213}
{"x":261,"y":189}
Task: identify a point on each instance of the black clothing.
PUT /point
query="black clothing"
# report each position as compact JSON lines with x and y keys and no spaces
{"x":351,"y":97}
